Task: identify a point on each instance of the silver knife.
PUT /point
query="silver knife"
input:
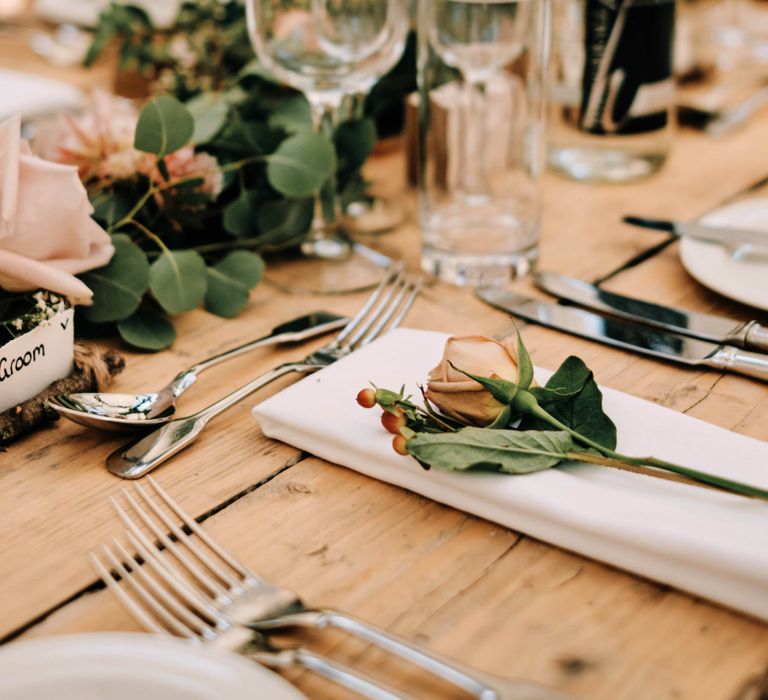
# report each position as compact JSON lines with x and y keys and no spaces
{"x":703,"y":232}
{"x":629,"y":336}
{"x":718,"y":329}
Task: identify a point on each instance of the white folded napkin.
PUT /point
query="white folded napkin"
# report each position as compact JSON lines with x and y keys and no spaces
{"x":34,"y":96}
{"x":704,"y":541}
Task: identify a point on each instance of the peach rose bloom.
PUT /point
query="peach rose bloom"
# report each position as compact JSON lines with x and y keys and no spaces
{"x":47,"y":235}
{"x":460,"y":397}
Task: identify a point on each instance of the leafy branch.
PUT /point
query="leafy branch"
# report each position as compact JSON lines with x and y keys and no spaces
{"x":536,"y":428}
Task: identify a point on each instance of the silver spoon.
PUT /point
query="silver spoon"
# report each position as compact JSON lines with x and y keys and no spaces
{"x":131,"y":412}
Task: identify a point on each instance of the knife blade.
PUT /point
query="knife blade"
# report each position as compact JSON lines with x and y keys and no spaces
{"x":718,"y":329}
{"x":703,"y":232}
{"x":628,"y":336}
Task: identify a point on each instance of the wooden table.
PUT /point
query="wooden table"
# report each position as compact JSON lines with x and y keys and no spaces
{"x":460,"y":585}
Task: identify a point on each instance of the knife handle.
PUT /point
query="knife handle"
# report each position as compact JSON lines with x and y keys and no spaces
{"x":756,"y":337}
{"x":752,"y":364}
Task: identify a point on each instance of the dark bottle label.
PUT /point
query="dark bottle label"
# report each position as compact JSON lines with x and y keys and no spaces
{"x":627,"y":86}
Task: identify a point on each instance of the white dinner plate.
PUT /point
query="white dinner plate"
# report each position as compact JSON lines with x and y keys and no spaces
{"x":35,"y":96}
{"x":85,"y":13}
{"x":123,"y":666}
{"x":744,"y":280}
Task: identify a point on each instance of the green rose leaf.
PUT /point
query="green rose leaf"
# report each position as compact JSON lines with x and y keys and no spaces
{"x":240,"y":215}
{"x":566,"y":383}
{"x":230,"y":280}
{"x":209,"y":111}
{"x":524,"y":364}
{"x":165,"y":125}
{"x":572,"y":396}
{"x":301,"y":164}
{"x":293,"y":115}
{"x":148,"y":331}
{"x":177,"y":279}
{"x":502,"y":390}
{"x":118,"y":287}
{"x":284,"y":222}
{"x":509,"y":451}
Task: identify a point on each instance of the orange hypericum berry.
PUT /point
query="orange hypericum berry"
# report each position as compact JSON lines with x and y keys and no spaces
{"x":399,"y":445}
{"x":366,"y":398}
{"x":392,"y":422}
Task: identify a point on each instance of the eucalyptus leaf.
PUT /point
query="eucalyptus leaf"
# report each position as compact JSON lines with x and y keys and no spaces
{"x":509,"y":451}
{"x":301,"y":164}
{"x":240,"y":215}
{"x":110,"y":207}
{"x":230,"y":280}
{"x":119,"y":286}
{"x":177,"y":280}
{"x":210,"y":111}
{"x":164,"y":126}
{"x":575,"y":400}
{"x":354,"y":142}
{"x":284,"y":222}
{"x":292,"y":115}
{"x":147,"y":331}
{"x":244,"y":266}
{"x":225,"y":296}
{"x":244,"y":139}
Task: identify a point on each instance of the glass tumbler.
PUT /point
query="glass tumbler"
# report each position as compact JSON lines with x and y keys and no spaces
{"x":481,"y":73}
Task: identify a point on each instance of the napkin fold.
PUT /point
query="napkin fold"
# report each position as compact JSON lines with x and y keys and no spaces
{"x":35,"y":96}
{"x":706,"y":542}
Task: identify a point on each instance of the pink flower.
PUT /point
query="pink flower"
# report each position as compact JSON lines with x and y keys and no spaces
{"x":47,"y":235}
{"x":186,"y":164}
{"x":99,"y":142}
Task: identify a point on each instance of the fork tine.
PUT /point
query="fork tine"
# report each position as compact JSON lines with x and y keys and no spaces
{"x":131,"y":581}
{"x":190,"y":522}
{"x":361,"y":314}
{"x":191,"y":597}
{"x":132,"y":606}
{"x":151,"y":611}
{"x":408,"y":293}
{"x":187,"y":541}
{"x":415,"y":291}
{"x":382,"y":307}
{"x":176,"y":550}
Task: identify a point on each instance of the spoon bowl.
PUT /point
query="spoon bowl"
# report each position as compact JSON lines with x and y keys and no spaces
{"x":123,"y":413}
{"x":120,"y":413}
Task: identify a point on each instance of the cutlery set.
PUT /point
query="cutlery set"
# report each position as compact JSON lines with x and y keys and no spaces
{"x":689,"y":338}
{"x":181,"y":582}
{"x":176,"y":580}
{"x":384,"y":310}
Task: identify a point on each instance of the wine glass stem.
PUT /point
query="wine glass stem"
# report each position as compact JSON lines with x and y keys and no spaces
{"x":325,"y":117}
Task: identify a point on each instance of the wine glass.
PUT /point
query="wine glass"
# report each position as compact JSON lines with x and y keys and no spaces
{"x":328,"y":49}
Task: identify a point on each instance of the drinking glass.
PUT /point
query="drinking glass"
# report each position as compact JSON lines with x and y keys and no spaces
{"x":328,"y":49}
{"x":482,"y":67}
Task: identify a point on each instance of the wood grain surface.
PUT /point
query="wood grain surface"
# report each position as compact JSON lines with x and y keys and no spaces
{"x":458,"y":584}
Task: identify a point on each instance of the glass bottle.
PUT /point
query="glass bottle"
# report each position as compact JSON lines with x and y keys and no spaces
{"x":611,"y":89}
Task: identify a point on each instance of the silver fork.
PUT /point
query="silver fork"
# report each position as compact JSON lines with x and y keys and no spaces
{"x":385,"y":309}
{"x":212,"y":584}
